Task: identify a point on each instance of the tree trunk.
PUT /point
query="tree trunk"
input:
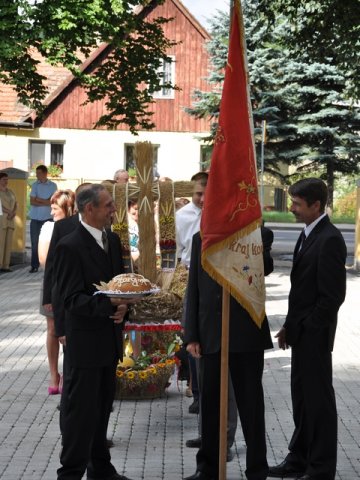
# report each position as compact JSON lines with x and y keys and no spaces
{"x":330,"y":184}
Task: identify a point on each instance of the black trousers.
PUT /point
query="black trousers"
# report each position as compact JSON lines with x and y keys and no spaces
{"x":88,"y":394}
{"x":246,"y":371}
{"x":313,"y":445}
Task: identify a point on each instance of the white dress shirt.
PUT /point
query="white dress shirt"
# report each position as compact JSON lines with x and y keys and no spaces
{"x":95,"y":232}
{"x":309,"y":228}
{"x":187,"y":224}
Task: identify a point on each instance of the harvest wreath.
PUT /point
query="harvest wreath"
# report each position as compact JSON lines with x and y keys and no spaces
{"x":146,"y":376}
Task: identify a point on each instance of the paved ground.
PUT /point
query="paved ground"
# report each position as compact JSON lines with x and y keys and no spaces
{"x":149,"y":436}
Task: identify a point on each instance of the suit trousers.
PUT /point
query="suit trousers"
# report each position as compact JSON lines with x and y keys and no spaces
{"x":88,"y":394}
{"x":232,"y":407}
{"x":313,"y":445}
{"x":246,"y":370}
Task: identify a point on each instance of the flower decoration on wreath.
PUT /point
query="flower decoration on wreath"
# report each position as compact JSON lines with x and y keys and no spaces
{"x":148,"y":375}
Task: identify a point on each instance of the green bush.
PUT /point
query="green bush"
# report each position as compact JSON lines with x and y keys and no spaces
{"x":346,"y":206}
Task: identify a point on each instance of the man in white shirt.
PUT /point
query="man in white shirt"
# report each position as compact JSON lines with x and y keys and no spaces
{"x":188,"y":218}
{"x":187,"y":224}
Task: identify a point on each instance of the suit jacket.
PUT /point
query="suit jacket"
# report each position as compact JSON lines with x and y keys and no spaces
{"x":92,"y":338}
{"x":203,"y":314}
{"x":318,"y":286}
{"x":267,"y":236}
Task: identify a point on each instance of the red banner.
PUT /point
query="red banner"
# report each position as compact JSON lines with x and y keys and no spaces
{"x":231,"y":217}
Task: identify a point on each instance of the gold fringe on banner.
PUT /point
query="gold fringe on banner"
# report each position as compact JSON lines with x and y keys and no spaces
{"x":257,"y":317}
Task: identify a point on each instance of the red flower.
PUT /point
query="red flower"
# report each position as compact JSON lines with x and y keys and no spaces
{"x":156,"y":359}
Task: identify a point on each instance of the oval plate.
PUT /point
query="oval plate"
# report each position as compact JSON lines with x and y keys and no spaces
{"x":126,"y":295}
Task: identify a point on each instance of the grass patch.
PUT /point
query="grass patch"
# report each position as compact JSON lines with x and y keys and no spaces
{"x":279,"y":217}
{"x":288,"y":217}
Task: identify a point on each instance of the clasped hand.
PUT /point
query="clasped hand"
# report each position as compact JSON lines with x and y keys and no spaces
{"x":194,"y":349}
{"x":282,"y":339}
{"x":121,"y":308}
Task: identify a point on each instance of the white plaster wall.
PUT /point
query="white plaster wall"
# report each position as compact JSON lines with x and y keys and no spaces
{"x":97,"y":154}
{"x":14,"y":147}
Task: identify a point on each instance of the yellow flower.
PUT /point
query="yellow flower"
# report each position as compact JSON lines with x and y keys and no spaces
{"x":130,"y":375}
{"x":160,"y":365}
{"x":119,"y":373}
{"x":152,"y":370}
{"x":169,"y":361}
{"x":143,"y":374}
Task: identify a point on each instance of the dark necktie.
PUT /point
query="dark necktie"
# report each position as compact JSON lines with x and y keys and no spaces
{"x":301,"y":241}
{"x":302,"y":238}
{"x":105,"y":241}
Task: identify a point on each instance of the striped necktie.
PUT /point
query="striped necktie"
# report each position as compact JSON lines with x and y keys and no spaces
{"x":105,"y":241}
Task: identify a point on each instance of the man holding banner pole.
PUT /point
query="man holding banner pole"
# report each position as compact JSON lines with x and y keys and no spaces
{"x":230,"y":251}
{"x":246,"y":360}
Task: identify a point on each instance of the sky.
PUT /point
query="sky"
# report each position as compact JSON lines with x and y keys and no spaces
{"x":204,"y":9}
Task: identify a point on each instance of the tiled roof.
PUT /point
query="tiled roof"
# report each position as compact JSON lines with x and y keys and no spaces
{"x":57,"y":78}
{"x":10,"y":108}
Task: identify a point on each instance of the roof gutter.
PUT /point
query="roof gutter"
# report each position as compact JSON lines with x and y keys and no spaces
{"x":18,"y":125}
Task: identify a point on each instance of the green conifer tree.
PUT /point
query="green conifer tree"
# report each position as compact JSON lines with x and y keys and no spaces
{"x":310,"y":123}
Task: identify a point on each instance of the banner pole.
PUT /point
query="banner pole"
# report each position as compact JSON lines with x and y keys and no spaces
{"x":224,"y":368}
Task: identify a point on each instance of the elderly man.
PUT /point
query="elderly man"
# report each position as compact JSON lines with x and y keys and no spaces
{"x":93,"y":329}
{"x":121,"y":176}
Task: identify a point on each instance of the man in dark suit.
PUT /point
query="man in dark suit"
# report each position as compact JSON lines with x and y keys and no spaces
{"x":318,"y":284}
{"x":246,"y":363}
{"x":93,"y":329}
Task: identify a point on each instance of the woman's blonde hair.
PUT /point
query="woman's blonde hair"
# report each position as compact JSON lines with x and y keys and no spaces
{"x":65,"y":199}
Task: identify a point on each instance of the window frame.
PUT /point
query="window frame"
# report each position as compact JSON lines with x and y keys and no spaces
{"x":47,"y":152}
{"x":155,"y":158}
{"x":166,"y":93}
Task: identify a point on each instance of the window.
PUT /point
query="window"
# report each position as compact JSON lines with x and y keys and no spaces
{"x":167,"y":73}
{"x":46,"y":152}
{"x":37,"y":153}
{"x":130,"y":161}
{"x":57,"y":154}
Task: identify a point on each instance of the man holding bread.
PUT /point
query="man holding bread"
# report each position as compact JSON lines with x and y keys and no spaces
{"x":93,"y":329}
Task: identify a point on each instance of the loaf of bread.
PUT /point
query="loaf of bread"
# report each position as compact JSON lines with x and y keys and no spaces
{"x":129,"y":283}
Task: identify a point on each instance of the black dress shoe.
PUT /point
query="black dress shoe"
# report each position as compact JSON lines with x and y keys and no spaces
{"x":5,"y":270}
{"x":193,"y":443}
{"x":114,"y":476}
{"x":33,"y":270}
{"x":199,"y":476}
{"x":194,"y":407}
{"x":285,"y":470}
